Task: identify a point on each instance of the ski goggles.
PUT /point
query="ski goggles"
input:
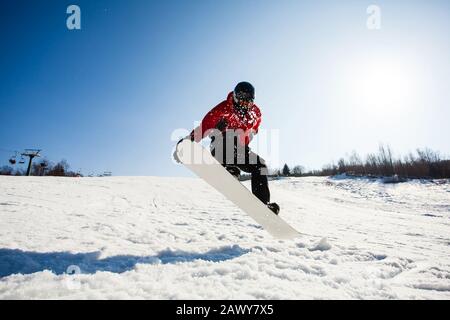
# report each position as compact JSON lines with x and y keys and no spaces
{"x":243,"y":99}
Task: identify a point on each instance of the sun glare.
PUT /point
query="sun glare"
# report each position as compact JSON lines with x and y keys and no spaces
{"x":383,"y":85}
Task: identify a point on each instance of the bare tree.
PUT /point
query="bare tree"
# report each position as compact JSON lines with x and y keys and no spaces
{"x":6,"y":170}
{"x":60,"y":169}
{"x":298,"y":170}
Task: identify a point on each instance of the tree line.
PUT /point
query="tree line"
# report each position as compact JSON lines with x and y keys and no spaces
{"x":423,"y":164}
{"x":43,"y":167}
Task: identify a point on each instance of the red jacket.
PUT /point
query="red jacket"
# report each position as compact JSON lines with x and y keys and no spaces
{"x":248,"y":123}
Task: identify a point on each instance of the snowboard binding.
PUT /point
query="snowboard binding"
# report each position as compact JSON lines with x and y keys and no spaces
{"x":274,"y":207}
{"x":234,"y":171}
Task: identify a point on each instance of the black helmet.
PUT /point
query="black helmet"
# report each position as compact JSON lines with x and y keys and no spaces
{"x":244,"y":93}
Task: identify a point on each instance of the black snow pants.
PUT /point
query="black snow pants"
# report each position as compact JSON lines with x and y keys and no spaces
{"x":243,"y":158}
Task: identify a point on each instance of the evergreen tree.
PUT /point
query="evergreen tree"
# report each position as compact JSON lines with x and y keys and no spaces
{"x":286,"y":170}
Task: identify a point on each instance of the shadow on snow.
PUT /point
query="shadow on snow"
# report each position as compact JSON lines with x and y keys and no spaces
{"x":13,"y":261}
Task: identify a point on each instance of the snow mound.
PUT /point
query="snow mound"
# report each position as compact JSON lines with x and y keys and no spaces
{"x":323,"y":245}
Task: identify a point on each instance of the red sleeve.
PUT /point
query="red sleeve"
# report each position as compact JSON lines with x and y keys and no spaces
{"x":209,"y":122}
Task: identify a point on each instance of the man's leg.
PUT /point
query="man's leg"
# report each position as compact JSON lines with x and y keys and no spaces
{"x":247,"y":161}
{"x":220,"y":157}
{"x":258,"y":170}
{"x":254,"y":165}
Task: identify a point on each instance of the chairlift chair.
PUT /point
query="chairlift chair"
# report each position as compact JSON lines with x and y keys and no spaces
{"x":12,"y":160}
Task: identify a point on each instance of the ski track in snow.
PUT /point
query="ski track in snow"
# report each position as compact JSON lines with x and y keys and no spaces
{"x":176,"y":238}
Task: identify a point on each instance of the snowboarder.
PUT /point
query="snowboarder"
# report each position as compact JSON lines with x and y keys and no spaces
{"x":237,"y":120}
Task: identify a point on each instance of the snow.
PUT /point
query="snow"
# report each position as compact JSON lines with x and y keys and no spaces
{"x":176,"y":238}
{"x":323,"y":245}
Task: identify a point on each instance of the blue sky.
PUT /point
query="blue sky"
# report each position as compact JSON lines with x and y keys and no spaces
{"x":109,"y":96}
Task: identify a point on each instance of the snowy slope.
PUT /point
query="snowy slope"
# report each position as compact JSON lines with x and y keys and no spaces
{"x":175,"y":238}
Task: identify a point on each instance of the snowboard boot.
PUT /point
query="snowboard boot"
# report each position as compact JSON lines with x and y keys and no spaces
{"x":274,"y":207}
{"x":234,"y":171}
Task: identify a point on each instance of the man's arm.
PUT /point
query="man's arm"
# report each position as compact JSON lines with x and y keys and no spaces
{"x":212,"y":120}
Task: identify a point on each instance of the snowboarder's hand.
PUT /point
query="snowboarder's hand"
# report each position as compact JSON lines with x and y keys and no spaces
{"x":175,"y":155}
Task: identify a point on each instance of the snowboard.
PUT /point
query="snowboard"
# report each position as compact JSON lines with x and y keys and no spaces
{"x":200,"y":161}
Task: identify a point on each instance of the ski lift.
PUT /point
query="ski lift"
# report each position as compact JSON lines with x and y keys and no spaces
{"x":22,"y":160}
{"x":12,"y":160}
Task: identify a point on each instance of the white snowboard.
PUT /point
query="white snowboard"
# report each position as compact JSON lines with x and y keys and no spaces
{"x":203,"y":164}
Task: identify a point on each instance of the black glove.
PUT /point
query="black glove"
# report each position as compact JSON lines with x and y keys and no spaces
{"x":221,"y":124}
{"x":175,"y":155}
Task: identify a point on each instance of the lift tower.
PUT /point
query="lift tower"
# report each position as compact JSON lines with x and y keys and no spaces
{"x":31,"y":153}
